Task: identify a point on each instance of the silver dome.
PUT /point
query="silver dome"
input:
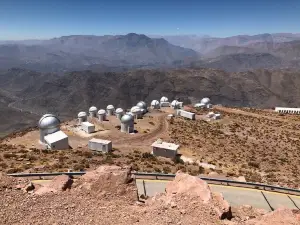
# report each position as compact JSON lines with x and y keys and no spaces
{"x":93,"y":109}
{"x":154,"y":102}
{"x":49,"y":121}
{"x":119,"y":110}
{"x":142,"y":105}
{"x":205,"y":100}
{"x":101,"y":112}
{"x":127,"y":118}
{"x":82,"y":114}
{"x":110,"y":107}
{"x":164,"y":99}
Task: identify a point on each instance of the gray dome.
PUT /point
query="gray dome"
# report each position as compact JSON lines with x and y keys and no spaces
{"x":93,"y":109}
{"x":119,"y":110}
{"x":82,"y":114}
{"x":164,"y":99}
{"x":142,"y":105}
{"x":154,"y":103}
{"x":127,"y":118}
{"x":110,"y":107}
{"x":205,"y":100}
{"x":101,"y":112}
{"x":49,"y":121}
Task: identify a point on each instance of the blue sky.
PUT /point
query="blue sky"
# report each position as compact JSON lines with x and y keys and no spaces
{"x":41,"y":19}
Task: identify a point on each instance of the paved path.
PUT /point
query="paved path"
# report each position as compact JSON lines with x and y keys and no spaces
{"x":234,"y":195}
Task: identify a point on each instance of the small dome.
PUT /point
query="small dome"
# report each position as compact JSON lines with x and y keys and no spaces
{"x":93,"y":109}
{"x":82,"y":114}
{"x":101,"y":112}
{"x":136,"y":110}
{"x":174,"y":103}
{"x":110,"y":107}
{"x":205,"y":101}
{"x":154,"y":103}
{"x":199,"y":105}
{"x":49,"y":121}
{"x":119,"y":110}
{"x":142,"y":105}
{"x":127,"y":118}
{"x":164,"y":99}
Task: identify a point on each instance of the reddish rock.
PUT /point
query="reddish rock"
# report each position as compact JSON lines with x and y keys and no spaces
{"x":58,"y":184}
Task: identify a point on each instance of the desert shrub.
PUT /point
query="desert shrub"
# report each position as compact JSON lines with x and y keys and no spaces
{"x":78,"y":167}
{"x":151,"y":123}
{"x":253,"y":164}
{"x":201,"y":170}
{"x":9,"y":155}
{"x":3,"y":165}
{"x":166,"y":169}
{"x":87,"y":154}
{"x":156,"y":169}
{"x":178,"y":160}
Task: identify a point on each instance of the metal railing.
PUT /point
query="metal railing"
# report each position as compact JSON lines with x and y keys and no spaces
{"x":159,"y":176}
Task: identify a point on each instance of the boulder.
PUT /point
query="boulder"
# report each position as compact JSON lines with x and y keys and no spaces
{"x":58,"y":184}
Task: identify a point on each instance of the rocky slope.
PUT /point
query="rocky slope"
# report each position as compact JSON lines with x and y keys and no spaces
{"x":107,"y":195}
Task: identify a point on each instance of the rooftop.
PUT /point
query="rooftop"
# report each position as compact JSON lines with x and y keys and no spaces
{"x":100,"y":141}
{"x":88,"y":124}
{"x":165,"y":145}
{"x":57,"y":136}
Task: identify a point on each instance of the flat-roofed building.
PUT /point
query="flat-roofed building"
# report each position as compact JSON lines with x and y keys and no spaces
{"x":287,"y":110}
{"x":164,"y":149}
{"x":88,"y":127}
{"x":96,"y":144}
{"x":57,"y":140}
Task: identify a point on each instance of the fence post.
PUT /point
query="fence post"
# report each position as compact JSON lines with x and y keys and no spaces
{"x":145,"y":193}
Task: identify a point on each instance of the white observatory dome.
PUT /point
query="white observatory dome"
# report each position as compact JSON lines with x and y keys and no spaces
{"x":164,"y":99}
{"x":205,"y":101}
{"x":101,"y":112}
{"x":127,"y":118}
{"x":142,"y":105}
{"x":82,"y":115}
{"x":155,"y":103}
{"x":110,"y":107}
{"x":49,"y":121}
{"x":136,"y":110}
{"x":93,"y":109}
{"x":119,"y":110}
{"x":174,"y":103}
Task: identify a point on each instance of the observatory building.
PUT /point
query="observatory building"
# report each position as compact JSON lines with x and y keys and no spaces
{"x":155,"y":104}
{"x":127,"y":123}
{"x":137,"y":112}
{"x":176,"y":104}
{"x":100,"y":145}
{"x":205,"y":101}
{"x":102,"y":115}
{"x":93,"y":111}
{"x":82,"y":117}
{"x":287,"y":110}
{"x":143,"y":106}
{"x":164,"y":149}
{"x":119,"y":113}
{"x":50,"y":133}
{"x":164,"y":102}
{"x":110,"y":110}
{"x":88,"y":127}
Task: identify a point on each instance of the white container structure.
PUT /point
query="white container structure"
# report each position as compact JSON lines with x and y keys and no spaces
{"x":143,"y":106}
{"x":88,"y":127}
{"x":164,"y":149}
{"x":48,"y":124}
{"x":186,"y":114}
{"x":164,"y":102}
{"x":82,"y":117}
{"x":102,"y":115}
{"x":57,"y":141}
{"x":209,"y":106}
{"x":119,"y":113}
{"x":110,"y":110}
{"x":287,"y":110}
{"x":127,"y":123}
{"x":137,"y":112}
{"x":217,"y":116}
{"x":93,"y":112}
{"x":155,"y":104}
{"x":100,"y":145}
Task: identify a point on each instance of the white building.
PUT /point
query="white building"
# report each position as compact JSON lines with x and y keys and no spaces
{"x":57,"y":141}
{"x":164,"y":102}
{"x":110,"y":110}
{"x":93,"y":111}
{"x":88,"y":127}
{"x":82,"y":117}
{"x":176,"y":104}
{"x":127,"y":123}
{"x":210,"y":115}
{"x":143,"y":106}
{"x":48,"y":124}
{"x":287,"y":110}
{"x":137,"y":112}
{"x":155,"y":104}
{"x":217,"y":116}
{"x":119,"y":113}
{"x":100,"y":145}
{"x":102,"y":115}
{"x":186,"y":114}
{"x":164,"y":149}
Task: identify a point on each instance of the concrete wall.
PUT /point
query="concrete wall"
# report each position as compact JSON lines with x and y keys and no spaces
{"x":164,"y":152}
{"x":60,"y":144}
{"x":186,"y":114}
{"x":100,"y":146}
